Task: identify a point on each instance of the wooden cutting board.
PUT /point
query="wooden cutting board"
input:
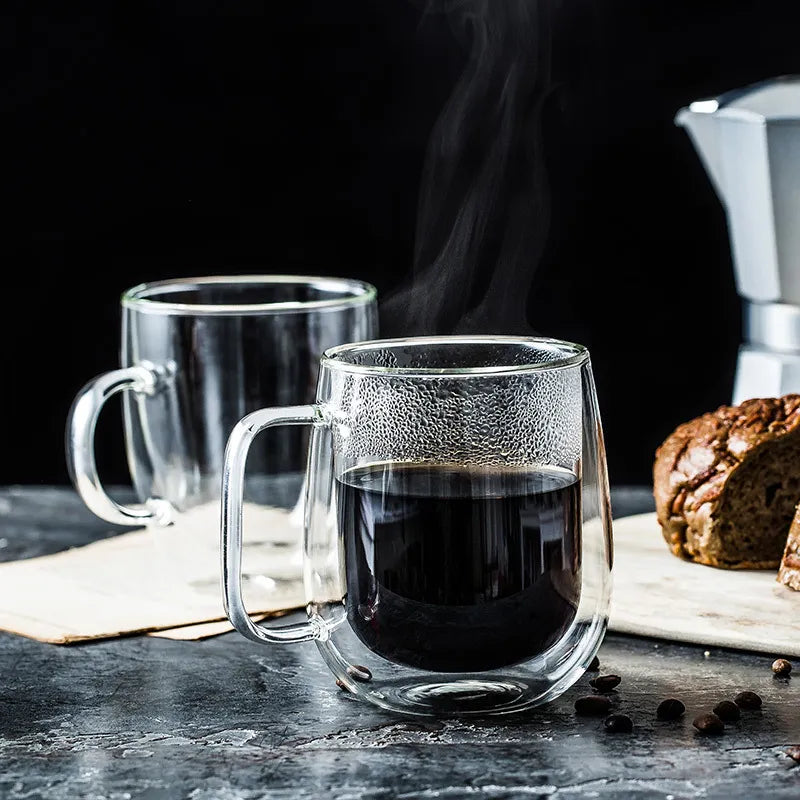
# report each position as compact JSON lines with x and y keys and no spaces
{"x":657,"y":594}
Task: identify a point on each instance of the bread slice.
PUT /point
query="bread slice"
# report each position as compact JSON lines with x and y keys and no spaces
{"x":727,"y":483}
{"x":789,"y":573}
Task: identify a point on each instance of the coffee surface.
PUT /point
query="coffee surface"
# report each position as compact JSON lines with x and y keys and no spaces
{"x":460,"y":569}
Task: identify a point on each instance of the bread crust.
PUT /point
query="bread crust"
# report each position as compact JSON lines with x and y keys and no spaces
{"x":695,"y":463}
{"x":789,"y":573}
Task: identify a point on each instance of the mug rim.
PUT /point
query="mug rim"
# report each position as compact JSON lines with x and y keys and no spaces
{"x":574,"y":355}
{"x":144,"y":296}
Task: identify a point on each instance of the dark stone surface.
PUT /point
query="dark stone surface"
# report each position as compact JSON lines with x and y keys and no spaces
{"x":226,"y":719}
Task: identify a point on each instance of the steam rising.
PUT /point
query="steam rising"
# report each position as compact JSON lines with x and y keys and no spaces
{"x":483,"y":213}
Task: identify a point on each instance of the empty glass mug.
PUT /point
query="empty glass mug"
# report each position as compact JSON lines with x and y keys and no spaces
{"x":457,"y":555}
{"x":197,"y":354}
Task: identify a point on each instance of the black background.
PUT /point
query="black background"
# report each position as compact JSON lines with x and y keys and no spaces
{"x":166,"y":139}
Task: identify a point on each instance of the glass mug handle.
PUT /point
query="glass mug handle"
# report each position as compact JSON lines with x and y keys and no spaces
{"x":231,"y":535}
{"x":81,"y":463}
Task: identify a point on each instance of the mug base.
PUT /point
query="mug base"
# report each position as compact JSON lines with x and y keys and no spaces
{"x":462,"y":697}
{"x":508,"y":691}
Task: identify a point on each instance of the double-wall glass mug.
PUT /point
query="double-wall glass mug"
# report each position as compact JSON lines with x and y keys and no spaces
{"x":457,"y":552}
{"x":197,"y":354}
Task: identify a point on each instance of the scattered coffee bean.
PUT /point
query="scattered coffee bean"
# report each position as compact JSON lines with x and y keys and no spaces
{"x":342,"y":686}
{"x":727,"y":711}
{"x":618,"y":723}
{"x":782,"y":667}
{"x":359,"y":673}
{"x":750,"y":701}
{"x":709,"y":724}
{"x":594,"y":664}
{"x":794,"y":752}
{"x":670,"y":709}
{"x":592,"y":706}
{"x":605,"y":683}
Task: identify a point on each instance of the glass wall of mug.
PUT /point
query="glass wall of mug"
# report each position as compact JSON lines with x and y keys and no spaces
{"x":196,"y":355}
{"x":458,"y":540}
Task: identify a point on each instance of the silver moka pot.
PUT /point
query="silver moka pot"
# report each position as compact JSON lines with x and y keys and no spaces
{"x":749,"y":142}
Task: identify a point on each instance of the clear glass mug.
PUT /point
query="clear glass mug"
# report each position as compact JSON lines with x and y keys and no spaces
{"x":458,"y":552}
{"x":197,"y":354}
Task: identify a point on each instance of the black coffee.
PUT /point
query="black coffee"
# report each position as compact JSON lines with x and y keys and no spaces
{"x":460,"y":569}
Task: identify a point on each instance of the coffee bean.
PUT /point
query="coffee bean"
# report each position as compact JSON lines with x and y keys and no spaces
{"x":794,"y":752}
{"x":342,"y":686}
{"x":592,"y":706}
{"x":670,"y":709}
{"x":727,"y":711}
{"x":359,"y":673}
{"x":594,"y":664}
{"x":709,"y":724}
{"x":618,"y":723}
{"x":605,"y":683}
{"x":750,"y":701}
{"x":782,"y":667}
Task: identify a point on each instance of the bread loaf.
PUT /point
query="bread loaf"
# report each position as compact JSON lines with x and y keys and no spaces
{"x":789,"y":573}
{"x":727,"y":483}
